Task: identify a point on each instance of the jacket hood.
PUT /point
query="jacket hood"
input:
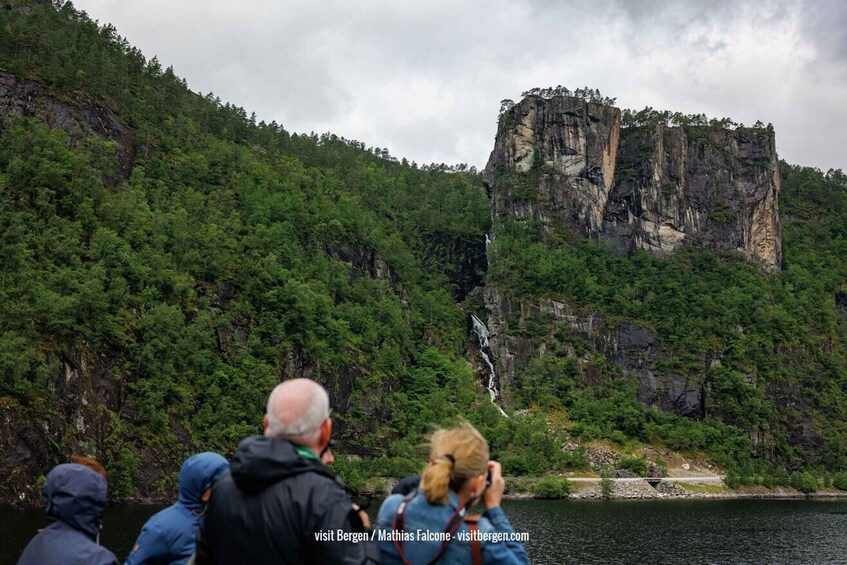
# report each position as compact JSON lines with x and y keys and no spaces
{"x":75,"y":495}
{"x":198,"y":473}
{"x":262,"y":461}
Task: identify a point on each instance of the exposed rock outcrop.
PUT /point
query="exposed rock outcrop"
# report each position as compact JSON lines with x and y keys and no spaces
{"x":633,"y":348}
{"x":717,"y":188}
{"x":363,"y":260}
{"x":565,"y":150}
{"x":77,"y":419}
{"x":568,"y":167}
{"x":24,"y":7}
{"x":460,"y":258}
{"x":80,"y":116}
{"x":565,"y":163}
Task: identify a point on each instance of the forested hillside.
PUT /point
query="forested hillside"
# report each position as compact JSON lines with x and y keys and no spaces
{"x":652,"y":280}
{"x":161,"y":274}
{"x":167,"y":258}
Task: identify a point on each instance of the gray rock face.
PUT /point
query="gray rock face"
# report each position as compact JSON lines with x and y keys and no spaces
{"x":363,"y":260}
{"x":79,"y":118}
{"x":464,"y":257}
{"x":566,"y":164}
{"x":841,"y":303}
{"x":77,"y":418}
{"x":633,"y":348}
{"x":570,"y":146}
{"x":679,"y":186}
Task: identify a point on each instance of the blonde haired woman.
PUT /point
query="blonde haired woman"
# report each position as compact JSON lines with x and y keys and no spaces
{"x":431,"y":524}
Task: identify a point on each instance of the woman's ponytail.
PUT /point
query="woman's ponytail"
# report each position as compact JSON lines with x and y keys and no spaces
{"x":456,"y":455}
{"x":436,"y":478}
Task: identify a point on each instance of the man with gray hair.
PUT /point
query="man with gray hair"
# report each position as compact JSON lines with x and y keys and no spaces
{"x":298,"y":411}
{"x":279,"y":503}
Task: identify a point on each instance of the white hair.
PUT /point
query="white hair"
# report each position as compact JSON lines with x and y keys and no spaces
{"x":297,"y":417}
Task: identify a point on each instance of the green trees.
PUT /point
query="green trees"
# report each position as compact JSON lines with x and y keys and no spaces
{"x":651,"y":117}
{"x":587,"y":94}
{"x":771,"y":333}
{"x":607,"y":485}
{"x":551,"y":487}
{"x":636,"y":465}
{"x":233,"y":255}
{"x":804,"y":482}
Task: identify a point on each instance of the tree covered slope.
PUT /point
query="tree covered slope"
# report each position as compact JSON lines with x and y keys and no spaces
{"x":166,"y":258}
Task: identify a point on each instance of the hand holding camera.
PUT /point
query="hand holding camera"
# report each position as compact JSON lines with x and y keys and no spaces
{"x":495,"y":485}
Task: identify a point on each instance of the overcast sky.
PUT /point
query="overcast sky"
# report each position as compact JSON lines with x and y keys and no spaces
{"x":425,"y":77}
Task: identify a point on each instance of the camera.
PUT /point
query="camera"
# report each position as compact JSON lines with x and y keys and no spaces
{"x":488,"y":478}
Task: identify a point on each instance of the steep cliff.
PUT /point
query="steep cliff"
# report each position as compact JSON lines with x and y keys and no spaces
{"x":566,"y":164}
{"x":554,"y":163}
{"x":695,"y":327}
{"x":714,"y":188}
{"x":522,"y":331}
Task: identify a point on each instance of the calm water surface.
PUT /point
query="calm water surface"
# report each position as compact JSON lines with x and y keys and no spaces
{"x":678,"y":531}
{"x":122,"y":524}
{"x":586,"y":532}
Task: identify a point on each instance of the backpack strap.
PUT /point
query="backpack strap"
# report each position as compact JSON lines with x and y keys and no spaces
{"x":472,"y":520}
{"x":399,"y":524}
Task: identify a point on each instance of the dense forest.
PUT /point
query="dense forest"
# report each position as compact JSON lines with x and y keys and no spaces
{"x":187,"y":260}
{"x":220,"y":256}
{"x":775,"y":333}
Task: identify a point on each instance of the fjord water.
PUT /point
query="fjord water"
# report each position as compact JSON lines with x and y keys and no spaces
{"x":122,"y":524}
{"x":586,"y":532}
{"x":679,"y":531}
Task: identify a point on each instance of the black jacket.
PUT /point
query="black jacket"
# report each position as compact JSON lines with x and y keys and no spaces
{"x":271,"y":505}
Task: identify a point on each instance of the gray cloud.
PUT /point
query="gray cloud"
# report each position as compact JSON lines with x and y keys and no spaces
{"x":825,"y":24}
{"x":425,"y":77}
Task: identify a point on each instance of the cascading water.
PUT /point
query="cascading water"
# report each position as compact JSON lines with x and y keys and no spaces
{"x":481,"y":332}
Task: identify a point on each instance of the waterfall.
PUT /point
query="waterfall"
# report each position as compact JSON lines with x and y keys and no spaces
{"x":481,"y":333}
{"x":487,"y":241}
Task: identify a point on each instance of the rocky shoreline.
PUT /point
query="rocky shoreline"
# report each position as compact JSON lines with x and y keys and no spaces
{"x":641,"y":490}
{"x":521,"y":489}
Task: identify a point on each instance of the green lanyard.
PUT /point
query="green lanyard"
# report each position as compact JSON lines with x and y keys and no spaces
{"x":305,"y":452}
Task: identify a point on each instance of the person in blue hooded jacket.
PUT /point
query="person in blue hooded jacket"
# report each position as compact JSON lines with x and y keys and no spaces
{"x":74,"y":498}
{"x":170,"y":536}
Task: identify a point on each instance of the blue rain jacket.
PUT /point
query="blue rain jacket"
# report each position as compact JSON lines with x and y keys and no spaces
{"x":170,"y":536}
{"x":74,"y":497}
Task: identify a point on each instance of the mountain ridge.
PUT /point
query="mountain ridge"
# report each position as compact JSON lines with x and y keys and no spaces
{"x":147,"y":310}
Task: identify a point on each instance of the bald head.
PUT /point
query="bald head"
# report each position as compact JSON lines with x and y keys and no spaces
{"x":296,"y":410}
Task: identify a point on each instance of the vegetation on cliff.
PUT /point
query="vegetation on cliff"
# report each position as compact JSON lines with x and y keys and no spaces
{"x":768,"y":349}
{"x":146,"y":314}
{"x":148,"y":309}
